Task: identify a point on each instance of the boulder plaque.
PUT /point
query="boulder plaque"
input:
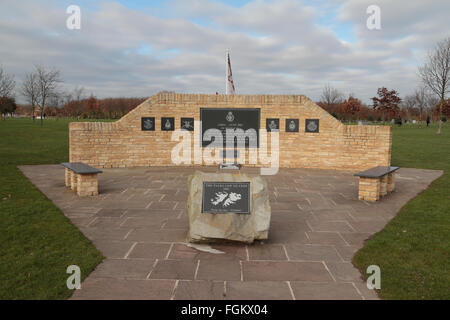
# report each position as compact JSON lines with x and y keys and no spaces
{"x":228,"y":206}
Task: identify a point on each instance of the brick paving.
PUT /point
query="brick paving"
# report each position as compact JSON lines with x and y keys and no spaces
{"x":139,"y":222}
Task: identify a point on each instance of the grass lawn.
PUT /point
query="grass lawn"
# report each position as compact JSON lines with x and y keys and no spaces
{"x":37,"y":242}
{"x":413,"y":250}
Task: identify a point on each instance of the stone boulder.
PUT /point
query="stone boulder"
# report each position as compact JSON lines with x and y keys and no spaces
{"x":212,"y":227}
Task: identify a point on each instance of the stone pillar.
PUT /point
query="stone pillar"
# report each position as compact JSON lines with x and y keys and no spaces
{"x":391,"y":182}
{"x":87,"y":185}
{"x":369,"y":189}
{"x":68,"y":178}
{"x":383,"y":185}
{"x":73,"y":181}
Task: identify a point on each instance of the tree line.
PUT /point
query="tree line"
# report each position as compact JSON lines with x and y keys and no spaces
{"x":386,"y":105}
{"x":428,"y":100}
{"x":40,"y":88}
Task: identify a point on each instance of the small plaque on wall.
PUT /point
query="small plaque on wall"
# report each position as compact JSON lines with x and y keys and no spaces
{"x":291,"y":125}
{"x":187,"y":124}
{"x":167,"y":124}
{"x":312,"y":125}
{"x":148,"y":124}
{"x":272,"y":124}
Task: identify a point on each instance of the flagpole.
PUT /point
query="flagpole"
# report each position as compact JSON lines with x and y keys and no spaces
{"x":226,"y":71}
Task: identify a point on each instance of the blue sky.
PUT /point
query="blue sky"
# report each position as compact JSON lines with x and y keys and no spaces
{"x":137,"y":48}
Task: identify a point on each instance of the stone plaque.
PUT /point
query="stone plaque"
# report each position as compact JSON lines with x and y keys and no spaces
{"x":226,"y":197}
{"x":291,"y":125}
{"x":312,"y":125}
{"x":272,"y":124}
{"x":148,"y":124}
{"x":187,"y":124}
{"x":232,"y":119}
{"x":167,"y":124}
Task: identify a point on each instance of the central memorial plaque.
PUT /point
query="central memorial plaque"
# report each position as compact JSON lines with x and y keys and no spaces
{"x":226,"y":197}
{"x":231,"y":118}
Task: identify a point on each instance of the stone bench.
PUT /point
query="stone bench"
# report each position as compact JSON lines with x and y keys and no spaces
{"x":81,"y":178}
{"x":376,"y":182}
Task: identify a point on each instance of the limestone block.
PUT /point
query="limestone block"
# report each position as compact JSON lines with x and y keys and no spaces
{"x":369,"y":189}
{"x":87,"y":185}
{"x":383,"y":185}
{"x":68,"y":176}
{"x":73,"y":180}
{"x":208,"y":227}
{"x":391,"y":182}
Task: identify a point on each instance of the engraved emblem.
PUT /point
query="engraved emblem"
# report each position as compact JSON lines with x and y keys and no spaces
{"x":187,"y":124}
{"x":230,"y":117}
{"x":292,"y":125}
{"x":272,"y":125}
{"x":148,"y":124}
{"x":167,"y":125}
{"x":312,"y":126}
{"x":225,"y":199}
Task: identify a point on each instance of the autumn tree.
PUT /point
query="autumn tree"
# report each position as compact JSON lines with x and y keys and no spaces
{"x":387,"y":102}
{"x":435,"y":73}
{"x":351,"y":106}
{"x":92,"y":107}
{"x":7,"y":105}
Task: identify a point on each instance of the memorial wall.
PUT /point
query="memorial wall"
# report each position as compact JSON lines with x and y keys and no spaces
{"x":308,"y":136}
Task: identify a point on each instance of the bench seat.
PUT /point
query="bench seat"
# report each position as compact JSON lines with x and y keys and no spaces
{"x":81,"y":178}
{"x":376,"y":182}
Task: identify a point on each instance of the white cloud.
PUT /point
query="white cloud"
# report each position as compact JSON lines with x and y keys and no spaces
{"x":277,"y":46}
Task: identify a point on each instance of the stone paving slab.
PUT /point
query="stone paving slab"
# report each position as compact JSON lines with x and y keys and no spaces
{"x":139,"y":222}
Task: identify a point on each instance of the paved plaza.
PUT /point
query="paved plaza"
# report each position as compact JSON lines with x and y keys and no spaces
{"x":139,"y":222}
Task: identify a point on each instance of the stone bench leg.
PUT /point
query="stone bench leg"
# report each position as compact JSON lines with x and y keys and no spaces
{"x":369,"y":189}
{"x":87,"y":185}
{"x":68,"y":176}
{"x":383,"y":185}
{"x":73,"y":180}
{"x":391,"y":182}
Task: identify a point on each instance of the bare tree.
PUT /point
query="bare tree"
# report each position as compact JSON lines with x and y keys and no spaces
{"x":47,"y":83}
{"x":421,"y":99}
{"x":435,"y":73}
{"x":432,"y":102}
{"x":30,"y":90}
{"x":7,"y":84}
{"x":78,"y":93}
{"x":409,"y":104}
{"x":56,"y":100}
{"x":331,"y":95}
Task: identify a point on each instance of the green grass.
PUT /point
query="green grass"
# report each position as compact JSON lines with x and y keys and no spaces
{"x":413,"y":249}
{"x":37,"y":242}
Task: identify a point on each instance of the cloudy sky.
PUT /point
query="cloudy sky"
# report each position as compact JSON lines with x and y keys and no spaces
{"x":137,"y":47}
